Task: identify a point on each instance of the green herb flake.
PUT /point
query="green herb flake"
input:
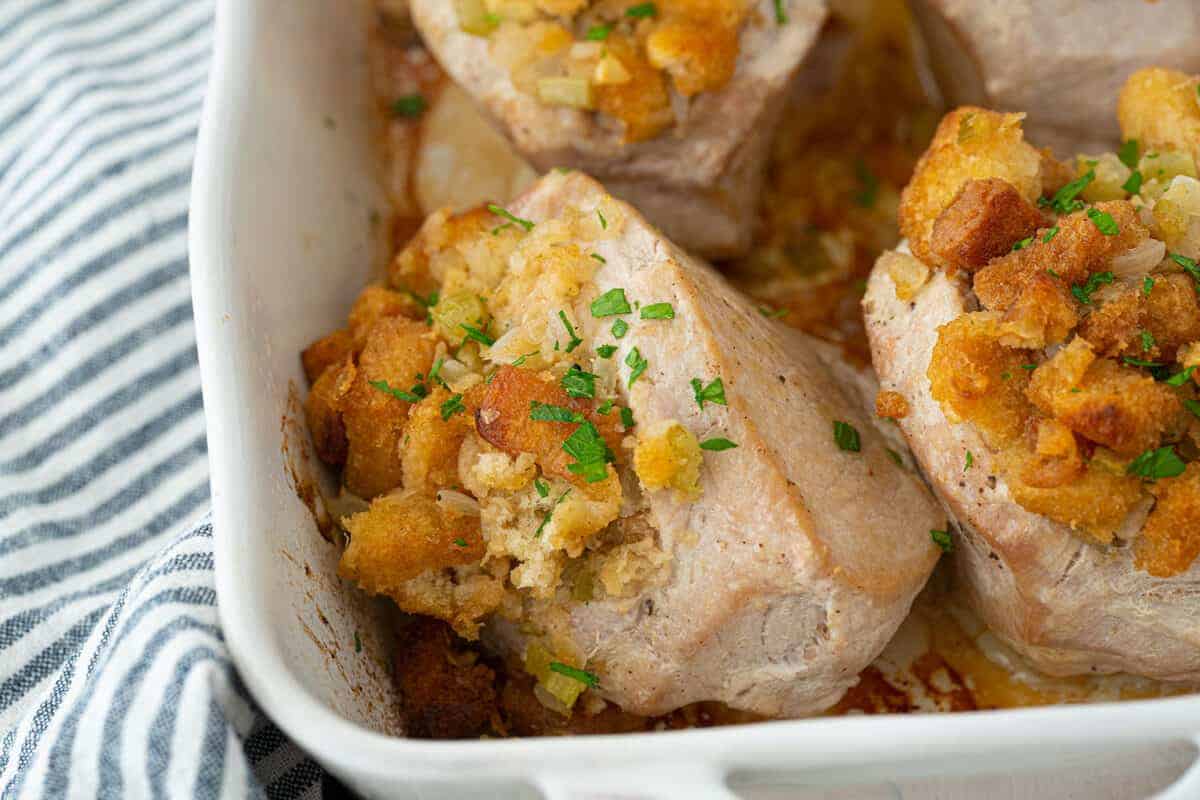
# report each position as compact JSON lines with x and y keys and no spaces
{"x":1064,"y":201}
{"x":1050,"y":234}
{"x":1104,"y":221}
{"x":575,"y":340}
{"x":590,"y":452}
{"x":1154,"y":464}
{"x":781,"y":17}
{"x":1189,"y":266}
{"x":453,"y":406}
{"x":970,"y":462}
{"x":1192,"y":406}
{"x":605,"y":408}
{"x":642,"y":11}
{"x":550,"y":513}
{"x":658,"y":311}
{"x":461,"y":542}
{"x":603,"y":221}
{"x":846,"y":436}
{"x":1147,"y":286}
{"x":942,"y":539}
{"x":1128,"y":153}
{"x":611,"y":303}
{"x":545,"y":412}
{"x":1029,"y":367}
{"x":477,"y":335}
{"x":627,"y":418}
{"x":583,"y":676}
{"x":619,"y":329}
{"x":578,"y":383}
{"x":637,"y":365}
{"x":606,"y":350}
{"x":1134,"y":184}
{"x":598,"y":33}
{"x":1147,"y":341}
{"x":714,"y":392}
{"x":1050,"y":271}
{"x":520,"y":360}
{"x":773,"y":313}
{"x":1006,"y":375}
{"x":1084,"y":293}
{"x":868,"y":185}
{"x":1021,"y":245}
{"x":543,"y":488}
{"x":894,"y":456}
{"x":508,"y":215}
{"x":1137,"y":362}
{"x":600,"y":258}
{"x":1180,"y":378}
{"x":717,"y":444}
{"x":410,"y":106}
{"x":399,"y":394}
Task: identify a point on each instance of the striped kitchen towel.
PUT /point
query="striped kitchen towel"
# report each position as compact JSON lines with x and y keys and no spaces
{"x":114,"y":677}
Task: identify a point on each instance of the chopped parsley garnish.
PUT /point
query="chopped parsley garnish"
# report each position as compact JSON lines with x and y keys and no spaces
{"x":1050,"y":271}
{"x":1128,"y":153}
{"x":714,"y":392}
{"x":773,"y":313}
{"x":1084,"y":293}
{"x":603,"y":221}
{"x":1050,"y":234}
{"x":620,"y":328}
{"x":477,"y":335}
{"x":1064,"y":201}
{"x":410,"y":106}
{"x":1029,"y":367}
{"x":575,"y":340}
{"x":627,"y":417}
{"x":598,"y":33}
{"x":717,"y":444}
{"x":870,"y":185}
{"x":781,"y":17}
{"x":399,"y":394}
{"x":1189,"y":266}
{"x":642,"y":11}
{"x":1180,"y":378}
{"x":1021,"y":245}
{"x":606,"y":350}
{"x":508,"y":215}
{"x":611,"y":303}
{"x":590,"y":452}
{"x":1147,"y":285}
{"x":578,"y":383}
{"x":1192,"y":406}
{"x":357,"y":643}
{"x":970,"y":461}
{"x":1137,"y":362}
{"x":519,"y":360}
{"x":545,"y":412}
{"x":1134,"y":184}
{"x":1147,"y":341}
{"x":1154,"y":464}
{"x":583,"y":676}
{"x":636,"y":363}
{"x":894,"y":456}
{"x":658,"y":311}
{"x":550,"y":513}
{"x":435,"y":374}
{"x":605,"y":408}
{"x":846,"y":436}
{"x":600,"y":258}
{"x":1006,"y":375}
{"x":1104,"y":221}
{"x":543,"y":488}
{"x":942,"y":539}
{"x":453,"y":406}
{"x":461,"y":542}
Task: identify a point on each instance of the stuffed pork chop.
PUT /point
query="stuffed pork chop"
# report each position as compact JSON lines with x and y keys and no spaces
{"x":1042,"y":342}
{"x":672,"y":104}
{"x":582,"y":446}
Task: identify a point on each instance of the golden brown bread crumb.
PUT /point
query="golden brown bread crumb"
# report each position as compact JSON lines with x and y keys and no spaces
{"x":1158,"y":107}
{"x":324,"y":353}
{"x":891,"y":405}
{"x":1172,"y":314}
{"x":396,"y":351}
{"x":429,"y":449}
{"x":1113,"y":329}
{"x":642,"y":102}
{"x":983,"y":221}
{"x":697,"y":43}
{"x":1075,"y":252}
{"x":445,"y":692}
{"x":970,"y":143}
{"x":324,"y":419}
{"x":1094,"y":504}
{"x":1170,"y":539}
{"x":376,"y":302}
{"x":1056,"y":460}
{"x":1097,"y":398}
{"x":1043,"y":314}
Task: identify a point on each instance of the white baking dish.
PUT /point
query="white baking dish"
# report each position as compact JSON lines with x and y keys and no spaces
{"x":281,"y":240}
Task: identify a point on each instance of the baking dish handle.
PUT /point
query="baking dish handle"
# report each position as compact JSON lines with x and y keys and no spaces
{"x":693,"y":781}
{"x":1187,"y":785}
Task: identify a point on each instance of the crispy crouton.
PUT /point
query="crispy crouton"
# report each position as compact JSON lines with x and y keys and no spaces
{"x":1075,"y":252}
{"x":983,"y":221}
{"x":891,"y":405}
{"x":376,"y":302}
{"x":396,"y":351}
{"x":445,"y":692}
{"x":697,"y":44}
{"x":1114,"y":328}
{"x":503,"y":419}
{"x":1043,"y":314}
{"x":429,"y":450}
{"x":978,"y":379}
{"x":970,"y":143}
{"x":321,"y":409}
{"x":324,"y":353}
{"x":1094,"y":503}
{"x":1172,"y":314}
{"x":1170,"y":539}
{"x":1056,"y":460}
{"x":1112,"y":405}
{"x":1158,"y":107}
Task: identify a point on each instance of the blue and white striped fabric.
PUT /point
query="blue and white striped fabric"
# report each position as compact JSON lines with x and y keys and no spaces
{"x":114,"y":678}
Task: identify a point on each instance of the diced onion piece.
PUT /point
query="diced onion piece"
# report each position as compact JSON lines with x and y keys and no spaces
{"x":474,"y":18}
{"x":458,"y":376}
{"x":456,"y":310}
{"x":908,"y":273}
{"x":585,"y":51}
{"x":1177,"y":216}
{"x":513,"y":10}
{"x":561,"y":692}
{"x":1110,"y":174}
{"x":1139,"y":260}
{"x":572,"y":92}
{"x":458,"y":502}
{"x":610,"y":71}
{"x":1163,"y":165}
